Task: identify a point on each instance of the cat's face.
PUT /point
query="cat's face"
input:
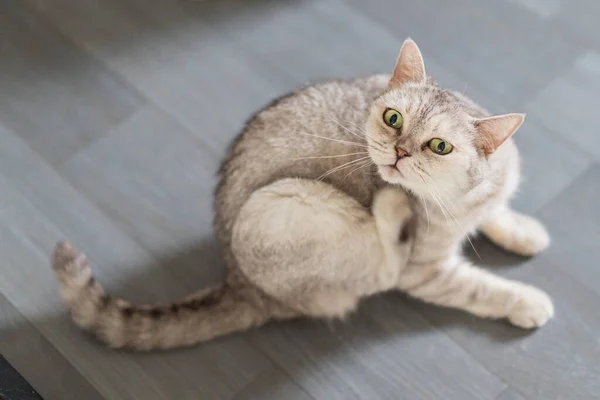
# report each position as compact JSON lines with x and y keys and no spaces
{"x":424,"y":138}
{"x":432,"y":148}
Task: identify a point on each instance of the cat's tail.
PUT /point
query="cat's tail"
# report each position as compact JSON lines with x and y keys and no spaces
{"x":215,"y":311}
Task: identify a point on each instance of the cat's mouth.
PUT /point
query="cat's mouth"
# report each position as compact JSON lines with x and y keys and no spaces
{"x":390,"y":171}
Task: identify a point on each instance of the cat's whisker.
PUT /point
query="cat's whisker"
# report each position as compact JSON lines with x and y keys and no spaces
{"x":381,"y":148}
{"x":444,"y":210}
{"x":343,"y":166}
{"x":457,"y":222}
{"x":359,"y":128}
{"x":441,"y":208}
{"x":423,"y":200}
{"x":343,"y":127}
{"x":445,"y":194}
{"x":437,"y":197}
{"x":349,"y":143}
{"x":334,"y":170}
{"x":382,"y":145}
{"x":426,"y":211}
{"x":464,"y":231}
{"x":334,"y":156}
{"x":364,"y":164}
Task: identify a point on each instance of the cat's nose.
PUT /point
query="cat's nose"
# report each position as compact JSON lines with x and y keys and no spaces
{"x":401,"y":152}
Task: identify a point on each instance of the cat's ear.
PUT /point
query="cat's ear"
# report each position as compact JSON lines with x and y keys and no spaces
{"x":493,"y":131}
{"x":409,"y":67}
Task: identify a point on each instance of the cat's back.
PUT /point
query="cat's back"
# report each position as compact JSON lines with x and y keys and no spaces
{"x":304,"y":134}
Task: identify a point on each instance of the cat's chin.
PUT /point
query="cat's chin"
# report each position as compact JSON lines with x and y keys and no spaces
{"x":391,"y":174}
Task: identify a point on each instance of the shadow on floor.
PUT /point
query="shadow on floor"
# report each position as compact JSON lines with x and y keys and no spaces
{"x":378,"y":320}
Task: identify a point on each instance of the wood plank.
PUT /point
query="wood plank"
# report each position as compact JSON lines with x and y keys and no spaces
{"x":576,"y":121}
{"x":574,"y":224}
{"x":543,"y":8}
{"x":53,"y":95}
{"x":386,"y":351}
{"x":510,"y":52}
{"x":542,"y":177}
{"x":205,"y":67}
{"x":560,"y":360}
{"x":510,"y":394}
{"x":546,"y":364}
{"x":273,"y":385}
{"x":39,"y":207}
{"x":167,"y":63}
{"x":155,"y":179}
{"x":37,"y":360}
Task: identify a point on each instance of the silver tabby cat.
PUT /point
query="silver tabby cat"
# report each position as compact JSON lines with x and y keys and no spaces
{"x":336,"y":192}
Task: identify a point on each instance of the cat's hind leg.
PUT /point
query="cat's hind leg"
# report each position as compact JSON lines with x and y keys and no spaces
{"x":314,"y":248}
{"x":392,"y":212}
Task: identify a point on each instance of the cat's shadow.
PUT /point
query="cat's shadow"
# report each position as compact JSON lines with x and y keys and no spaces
{"x":387,"y":323}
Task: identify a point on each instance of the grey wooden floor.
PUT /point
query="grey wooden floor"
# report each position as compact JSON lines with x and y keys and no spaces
{"x":114,"y":115}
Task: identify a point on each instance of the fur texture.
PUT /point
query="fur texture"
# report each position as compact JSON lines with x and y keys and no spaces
{"x":321,"y":203}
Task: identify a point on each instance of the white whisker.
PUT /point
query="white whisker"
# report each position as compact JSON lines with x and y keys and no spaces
{"x":463,"y":230}
{"x":343,"y":127}
{"x":426,"y":211}
{"x":335,"y":156}
{"x":442,"y":209}
{"x":349,"y":143}
{"x":359,"y":128}
{"x":434,"y":197}
{"x":443,"y":204}
{"x":343,"y":166}
{"x":365,"y":163}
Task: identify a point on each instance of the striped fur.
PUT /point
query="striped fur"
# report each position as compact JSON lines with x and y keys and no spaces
{"x":315,"y":211}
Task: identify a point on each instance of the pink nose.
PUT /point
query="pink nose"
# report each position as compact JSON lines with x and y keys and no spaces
{"x":401,"y":152}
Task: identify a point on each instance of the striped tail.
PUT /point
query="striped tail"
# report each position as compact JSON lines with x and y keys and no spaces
{"x":212,"y":312}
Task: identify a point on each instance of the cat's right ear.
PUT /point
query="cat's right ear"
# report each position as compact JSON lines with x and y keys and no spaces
{"x":409,"y":67}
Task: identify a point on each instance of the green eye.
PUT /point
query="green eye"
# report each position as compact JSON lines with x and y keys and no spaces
{"x":392,"y":118}
{"x":439,"y":146}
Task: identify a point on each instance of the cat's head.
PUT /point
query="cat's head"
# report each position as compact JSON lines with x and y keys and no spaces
{"x":426,"y":138}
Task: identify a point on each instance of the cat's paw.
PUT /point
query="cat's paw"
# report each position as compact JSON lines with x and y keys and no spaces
{"x":532,"y":308}
{"x":517,"y":233}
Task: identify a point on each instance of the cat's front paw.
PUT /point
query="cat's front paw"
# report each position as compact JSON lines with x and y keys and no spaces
{"x":517,"y":233}
{"x":532,"y":308}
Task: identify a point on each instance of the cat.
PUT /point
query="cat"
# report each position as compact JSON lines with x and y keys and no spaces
{"x":336,"y":192}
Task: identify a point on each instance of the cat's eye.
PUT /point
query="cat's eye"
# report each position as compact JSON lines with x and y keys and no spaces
{"x":440,"y":146}
{"x":392,"y":118}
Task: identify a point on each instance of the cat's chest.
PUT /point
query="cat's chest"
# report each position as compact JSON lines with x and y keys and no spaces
{"x":439,"y":233}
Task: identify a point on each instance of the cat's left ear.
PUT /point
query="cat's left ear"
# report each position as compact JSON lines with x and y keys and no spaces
{"x":493,"y":131}
{"x":409,"y":67}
